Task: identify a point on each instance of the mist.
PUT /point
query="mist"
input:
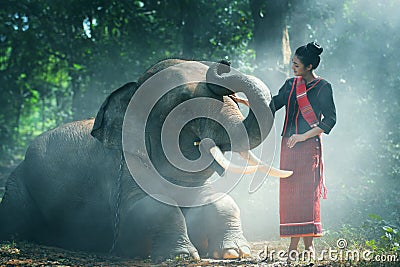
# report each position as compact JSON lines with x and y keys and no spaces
{"x":87,"y":59}
{"x":357,"y":177}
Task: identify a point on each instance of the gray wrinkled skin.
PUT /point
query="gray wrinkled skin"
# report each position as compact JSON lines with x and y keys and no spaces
{"x":65,"y":191}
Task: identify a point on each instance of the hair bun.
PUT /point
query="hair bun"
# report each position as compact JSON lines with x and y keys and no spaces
{"x":314,"y":48}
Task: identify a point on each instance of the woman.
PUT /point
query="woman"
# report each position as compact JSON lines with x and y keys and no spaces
{"x":310,"y":111}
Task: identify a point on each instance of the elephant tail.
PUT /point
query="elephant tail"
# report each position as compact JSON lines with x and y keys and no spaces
{"x":4,"y":232}
{"x":15,"y":208}
{"x":6,"y":225}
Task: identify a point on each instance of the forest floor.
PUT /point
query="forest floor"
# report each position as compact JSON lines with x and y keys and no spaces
{"x":30,"y":254}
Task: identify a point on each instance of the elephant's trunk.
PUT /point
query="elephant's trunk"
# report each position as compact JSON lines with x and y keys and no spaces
{"x":259,"y":121}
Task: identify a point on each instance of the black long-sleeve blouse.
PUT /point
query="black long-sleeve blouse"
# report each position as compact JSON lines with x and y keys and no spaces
{"x":319,"y":94}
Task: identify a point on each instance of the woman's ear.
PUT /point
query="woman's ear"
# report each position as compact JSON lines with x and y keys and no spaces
{"x":309,"y":67}
{"x":107,"y":126}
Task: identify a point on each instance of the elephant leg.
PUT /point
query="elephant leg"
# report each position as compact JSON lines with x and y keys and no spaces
{"x":216,"y":230}
{"x":149,"y":227}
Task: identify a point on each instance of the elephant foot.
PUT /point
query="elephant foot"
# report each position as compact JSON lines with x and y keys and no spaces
{"x":243,"y":252}
{"x":189,"y":252}
{"x":233,"y":253}
{"x":237,"y":249}
{"x":230,"y":254}
{"x":151,"y":228}
{"x":180,"y":248}
{"x":216,"y":230}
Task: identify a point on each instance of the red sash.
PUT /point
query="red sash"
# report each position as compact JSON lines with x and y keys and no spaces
{"x":304,"y":105}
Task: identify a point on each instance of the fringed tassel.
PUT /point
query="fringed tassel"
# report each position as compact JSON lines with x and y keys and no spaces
{"x":318,"y":162}
{"x":325,"y":192}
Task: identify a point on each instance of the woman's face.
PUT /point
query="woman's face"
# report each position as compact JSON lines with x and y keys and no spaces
{"x":298,"y":68}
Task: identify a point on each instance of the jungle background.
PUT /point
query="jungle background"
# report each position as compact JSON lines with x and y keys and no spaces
{"x":60,"y":59}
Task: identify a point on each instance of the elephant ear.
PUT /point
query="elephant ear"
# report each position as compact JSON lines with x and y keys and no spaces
{"x":107,"y":126}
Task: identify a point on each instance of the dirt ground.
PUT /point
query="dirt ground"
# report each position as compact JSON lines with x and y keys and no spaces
{"x":29,"y":254}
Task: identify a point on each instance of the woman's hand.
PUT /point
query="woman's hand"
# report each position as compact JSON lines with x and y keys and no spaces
{"x":296,"y":138}
{"x":238,"y":99}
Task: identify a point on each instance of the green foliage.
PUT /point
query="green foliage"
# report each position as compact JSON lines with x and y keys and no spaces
{"x":59,"y":60}
{"x":382,"y":235}
{"x":375,"y":234}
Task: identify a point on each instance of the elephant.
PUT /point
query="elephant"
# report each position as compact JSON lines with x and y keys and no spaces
{"x":76,"y":186}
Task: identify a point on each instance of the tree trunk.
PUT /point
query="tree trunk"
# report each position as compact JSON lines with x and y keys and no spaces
{"x":270,"y":38}
{"x":189,"y":18}
{"x":298,"y":23}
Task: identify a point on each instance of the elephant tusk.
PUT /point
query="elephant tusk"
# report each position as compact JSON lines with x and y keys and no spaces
{"x":229,"y":166}
{"x":253,"y":160}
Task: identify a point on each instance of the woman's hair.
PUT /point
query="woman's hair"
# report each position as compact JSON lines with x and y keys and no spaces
{"x":309,"y":54}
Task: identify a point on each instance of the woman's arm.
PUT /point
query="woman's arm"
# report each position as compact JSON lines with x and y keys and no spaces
{"x":238,"y":99}
{"x":328,"y":108}
{"x":279,"y":100}
{"x":329,"y":118}
{"x":303,"y":137}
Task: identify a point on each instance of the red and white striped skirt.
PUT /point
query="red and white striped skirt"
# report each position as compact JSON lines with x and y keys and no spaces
{"x":300,"y":194}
